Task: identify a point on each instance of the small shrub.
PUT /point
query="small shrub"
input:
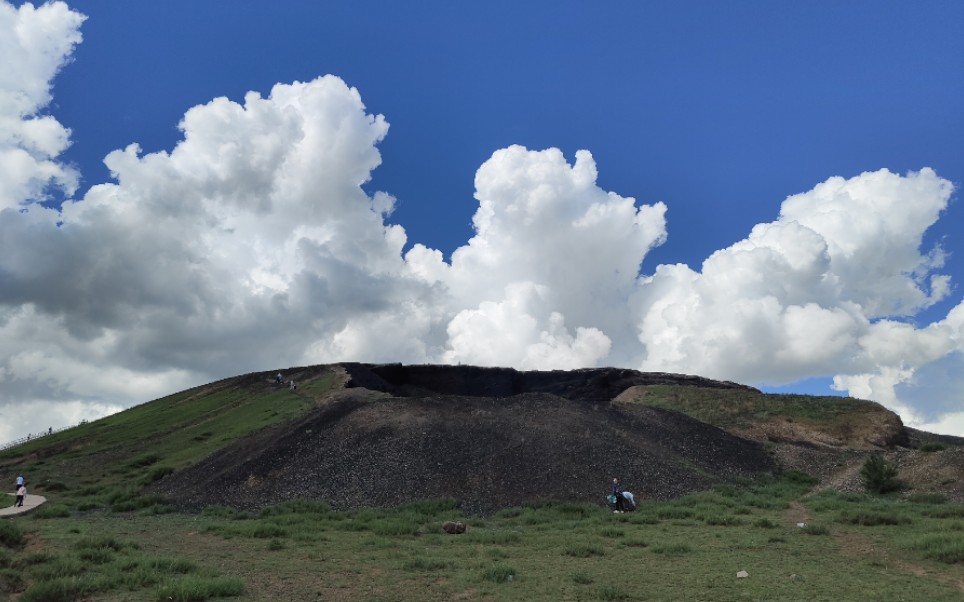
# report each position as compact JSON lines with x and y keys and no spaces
{"x":611,"y":592}
{"x":11,"y":535}
{"x":11,"y":581}
{"x":800,"y":478}
{"x":815,"y":530}
{"x":868,"y":518}
{"x":166,"y":565}
{"x":268,"y":531}
{"x":143,"y":461}
{"x":57,"y":590}
{"x":49,"y":510}
{"x":879,"y":475}
{"x":932,"y":447}
{"x":632,"y":542}
{"x":96,"y":556}
{"x":57,"y":568}
{"x":722,"y":520}
{"x":582,"y":578}
{"x":197,"y":589}
{"x":276,"y":544}
{"x":947,"y":548}
{"x":499,"y":573}
{"x":156,"y":473}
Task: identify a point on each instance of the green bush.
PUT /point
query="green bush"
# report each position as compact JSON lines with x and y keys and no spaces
{"x":196,"y":589}
{"x":870,"y":518}
{"x":611,"y":592}
{"x":815,"y":530}
{"x":11,"y":535}
{"x":143,"y":461}
{"x":879,"y":475}
{"x":49,"y":510}
{"x":499,"y":573}
{"x":584,"y":551}
{"x":948,"y":548}
{"x":800,"y":478}
{"x":582,"y":578}
{"x":156,"y":473}
{"x":10,"y":581}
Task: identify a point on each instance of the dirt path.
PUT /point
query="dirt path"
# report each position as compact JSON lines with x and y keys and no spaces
{"x":853,"y":543}
{"x":29,"y":503}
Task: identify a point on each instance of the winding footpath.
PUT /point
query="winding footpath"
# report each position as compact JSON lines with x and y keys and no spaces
{"x":29,"y":503}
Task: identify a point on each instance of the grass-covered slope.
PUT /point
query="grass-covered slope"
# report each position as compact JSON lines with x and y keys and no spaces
{"x":91,"y":463}
{"x":834,"y":421}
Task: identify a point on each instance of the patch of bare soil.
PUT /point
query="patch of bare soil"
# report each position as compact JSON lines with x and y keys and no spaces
{"x":873,"y":427}
{"x":527,"y":437}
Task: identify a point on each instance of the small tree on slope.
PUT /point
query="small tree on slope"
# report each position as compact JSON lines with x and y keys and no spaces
{"x":879,"y":475}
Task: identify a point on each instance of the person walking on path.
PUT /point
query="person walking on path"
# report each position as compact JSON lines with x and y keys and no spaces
{"x":20,"y":481}
{"x":21,"y":493}
{"x":30,"y":502}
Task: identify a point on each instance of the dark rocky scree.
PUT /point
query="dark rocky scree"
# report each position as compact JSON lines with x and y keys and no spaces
{"x":490,"y":438}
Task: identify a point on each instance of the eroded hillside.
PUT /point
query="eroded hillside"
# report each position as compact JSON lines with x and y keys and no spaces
{"x":488,"y":437}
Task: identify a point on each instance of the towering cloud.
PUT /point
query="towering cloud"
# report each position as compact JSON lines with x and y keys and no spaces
{"x":252,"y":244}
{"x":34,"y":43}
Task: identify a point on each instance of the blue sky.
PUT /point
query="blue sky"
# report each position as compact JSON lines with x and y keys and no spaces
{"x":719,"y":111}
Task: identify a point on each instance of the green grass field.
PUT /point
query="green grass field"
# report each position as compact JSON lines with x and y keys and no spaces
{"x":853,"y":548}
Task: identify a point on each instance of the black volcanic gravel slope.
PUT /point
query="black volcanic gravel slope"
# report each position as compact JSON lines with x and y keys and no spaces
{"x":488,"y":452}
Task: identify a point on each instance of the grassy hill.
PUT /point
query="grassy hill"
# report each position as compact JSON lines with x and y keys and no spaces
{"x":102,"y":536}
{"x":106,"y":463}
{"x":838,"y":421}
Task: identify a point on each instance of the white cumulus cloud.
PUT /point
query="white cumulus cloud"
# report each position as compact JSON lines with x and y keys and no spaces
{"x":34,"y":43}
{"x":252,"y":244}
